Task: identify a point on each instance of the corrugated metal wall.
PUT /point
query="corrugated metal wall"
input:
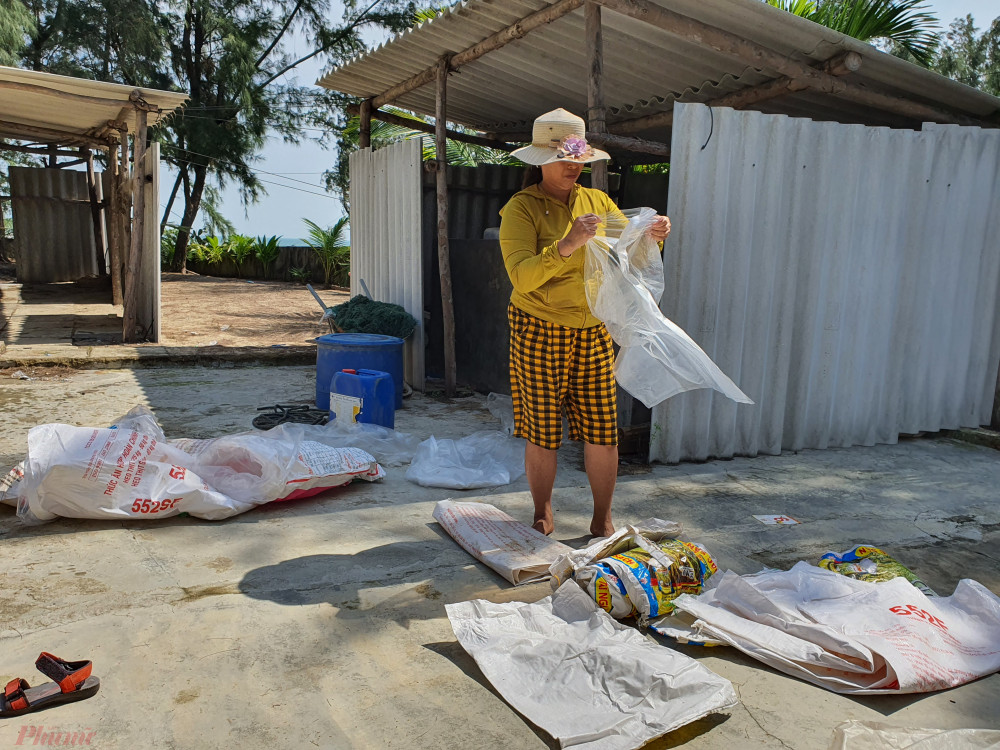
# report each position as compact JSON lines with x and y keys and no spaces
{"x":53,"y":225}
{"x":845,"y":277}
{"x":385,"y":236}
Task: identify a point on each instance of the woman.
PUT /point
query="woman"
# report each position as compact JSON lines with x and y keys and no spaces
{"x":560,"y":354}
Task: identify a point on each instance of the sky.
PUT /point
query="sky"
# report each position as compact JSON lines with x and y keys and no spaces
{"x":296,"y":191}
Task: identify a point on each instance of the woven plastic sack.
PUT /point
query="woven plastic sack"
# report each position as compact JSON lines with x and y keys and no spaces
{"x":867,"y":563}
{"x":636,"y":584}
{"x":623,"y":275}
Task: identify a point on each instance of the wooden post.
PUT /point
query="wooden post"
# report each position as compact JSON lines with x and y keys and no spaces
{"x":365,"y":138}
{"x":95,"y":213}
{"x":53,"y":151}
{"x":596,"y":112}
{"x":133,"y":266}
{"x":114,"y":227}
{"x":444,"y":258}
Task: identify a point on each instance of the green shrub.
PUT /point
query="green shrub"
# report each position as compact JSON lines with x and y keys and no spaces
{"x":240,"y":249}
{"x":211,"y":251}
{"x":299,"y":274}
{"x":266,"y":250}
{"x":330,"y":246}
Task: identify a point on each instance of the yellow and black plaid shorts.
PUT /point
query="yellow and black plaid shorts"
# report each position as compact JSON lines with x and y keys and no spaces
{"x":554,"y":369}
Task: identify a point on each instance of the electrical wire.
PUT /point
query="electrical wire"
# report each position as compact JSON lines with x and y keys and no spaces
{"x":233,"y":164}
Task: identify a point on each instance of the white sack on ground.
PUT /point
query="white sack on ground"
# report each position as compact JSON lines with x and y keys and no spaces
{"x":623,"y":275}
{"x":877,"y":735}
{"x":852,"y":636}
{"x":513,"y":549}
{"x":488,"y":458}
{"x":584,"y":678}
{"x":131,"y":471}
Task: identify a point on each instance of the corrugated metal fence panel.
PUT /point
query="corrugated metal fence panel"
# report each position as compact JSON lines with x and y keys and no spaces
{"x":149,"y":269}
{"x":845,"y":277}
{"x":53,"y":225}
{"x":385,"y":236}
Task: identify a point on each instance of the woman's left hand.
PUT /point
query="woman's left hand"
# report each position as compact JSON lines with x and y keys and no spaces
{"x":660,"y":228}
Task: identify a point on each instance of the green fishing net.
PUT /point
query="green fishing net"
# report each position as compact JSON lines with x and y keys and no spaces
{"x":362,"y":315}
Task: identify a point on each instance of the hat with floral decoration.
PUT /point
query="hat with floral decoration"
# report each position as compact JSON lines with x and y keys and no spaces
{"x":559,"y":136}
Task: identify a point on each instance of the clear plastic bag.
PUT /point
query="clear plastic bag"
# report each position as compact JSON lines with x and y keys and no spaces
{"x":483,"y":459}
{"x":502,"y":407}
{"x":623,"y":275}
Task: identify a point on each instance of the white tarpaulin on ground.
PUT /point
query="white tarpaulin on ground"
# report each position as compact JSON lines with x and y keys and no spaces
{"x":877,"y":735}
{"x":513,"y":549}
{"x":851,"y":636}
{"x":587,"y":680}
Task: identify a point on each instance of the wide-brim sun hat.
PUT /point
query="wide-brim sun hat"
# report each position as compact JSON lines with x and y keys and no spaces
{"x":559,"y":136}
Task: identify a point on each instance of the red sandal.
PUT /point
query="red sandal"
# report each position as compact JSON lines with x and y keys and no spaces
{"x":72,"y":681}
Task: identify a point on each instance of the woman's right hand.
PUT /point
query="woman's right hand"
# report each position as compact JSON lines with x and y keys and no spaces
{"x":584,"y":227}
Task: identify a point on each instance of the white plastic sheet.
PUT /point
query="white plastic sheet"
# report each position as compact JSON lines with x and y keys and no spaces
{"x":623,"y":275}
{"x":584,"y":678}
{"x":513,"y":549}
{"x":389,"y":447}
{"x":852,"y":636}
{"x":488,"y":458}
{"x":877,"y":735}
{"x":130,"y":470}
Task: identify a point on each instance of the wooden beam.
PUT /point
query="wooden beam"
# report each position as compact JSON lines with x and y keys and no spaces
{"x":767,"y":59}
{"x":95,"y":215}
{"x":33,"y":150}
{"x":493,"y":42}
{"x":365,"y":137}
{"x":596,"y":113}
{"x":65,"y":96}
{"x":130,"y":335}
{"x":454,"y":135}
{"x":625,"y":143}
{"x":444,"y":258}
{"x":18,"y":130}
{"x":837,"y":65}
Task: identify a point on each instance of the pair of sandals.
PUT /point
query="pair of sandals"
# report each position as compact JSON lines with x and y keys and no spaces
{"x":71,"y":681}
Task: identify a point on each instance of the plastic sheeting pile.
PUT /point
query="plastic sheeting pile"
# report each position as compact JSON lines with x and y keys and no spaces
{"x":851,"y":636}
{"x":130,"y":470}
{"x":584,"y":678}
{"x":623,"y":275}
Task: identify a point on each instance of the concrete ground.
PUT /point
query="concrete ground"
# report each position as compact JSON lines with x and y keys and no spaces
{"x":321,"y":623}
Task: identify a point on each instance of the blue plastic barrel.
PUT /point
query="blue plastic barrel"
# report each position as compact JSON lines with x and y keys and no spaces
{"x":357,"y":351}
{"x":375,"y":391}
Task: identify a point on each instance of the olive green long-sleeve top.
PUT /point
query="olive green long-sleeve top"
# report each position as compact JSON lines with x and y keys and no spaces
{"x":546,"y":284}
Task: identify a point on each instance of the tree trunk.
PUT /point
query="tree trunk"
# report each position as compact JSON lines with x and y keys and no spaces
{"x":191,"y":205}
{"x":170,"y":201}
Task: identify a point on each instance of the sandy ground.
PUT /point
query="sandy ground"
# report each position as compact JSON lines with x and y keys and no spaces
{"x":199,"y":310}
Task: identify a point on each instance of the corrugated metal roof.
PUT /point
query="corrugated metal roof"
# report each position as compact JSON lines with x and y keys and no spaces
{"x":75,"y":106}
{"x":646,"y":69}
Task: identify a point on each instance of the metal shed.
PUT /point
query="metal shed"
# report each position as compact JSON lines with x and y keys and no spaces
{"x":625,"y":64}
{"x":66,"y":120}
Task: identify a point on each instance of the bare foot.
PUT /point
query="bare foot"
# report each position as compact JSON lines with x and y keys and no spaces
{"x":602,"y":529}
{"x":544,"y":525}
